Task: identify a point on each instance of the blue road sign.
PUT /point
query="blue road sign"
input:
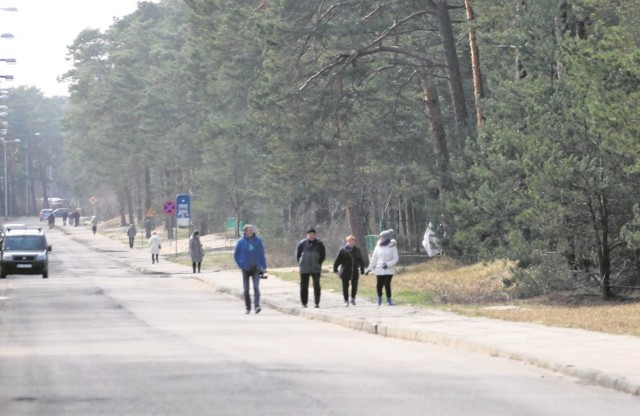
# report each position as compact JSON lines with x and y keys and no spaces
{"x":183,"y":214}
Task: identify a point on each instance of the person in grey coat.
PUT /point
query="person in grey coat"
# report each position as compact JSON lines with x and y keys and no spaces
{"x":196,"y":250}
{"x":131,"y":233}
{"x":310,"y":254}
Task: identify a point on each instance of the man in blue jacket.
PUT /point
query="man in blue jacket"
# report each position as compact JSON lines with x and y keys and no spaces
{"x":249,"y":256}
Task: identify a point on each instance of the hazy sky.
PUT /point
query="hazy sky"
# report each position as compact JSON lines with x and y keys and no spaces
{"x":43,"y":29}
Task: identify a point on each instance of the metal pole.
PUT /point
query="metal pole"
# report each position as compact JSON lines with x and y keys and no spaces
{"x":6,"y":190}
{"x":26,"y":178}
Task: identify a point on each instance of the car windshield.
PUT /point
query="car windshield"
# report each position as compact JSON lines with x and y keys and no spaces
{"x":25,"y":242}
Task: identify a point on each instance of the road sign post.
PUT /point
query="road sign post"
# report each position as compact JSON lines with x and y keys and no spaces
{"x":169,"y":207}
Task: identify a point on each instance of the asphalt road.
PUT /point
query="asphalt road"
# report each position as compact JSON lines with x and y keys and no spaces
{"x":98,"y":339}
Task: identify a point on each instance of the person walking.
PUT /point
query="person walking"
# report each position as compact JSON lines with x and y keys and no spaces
{"x":383,"y":262}
{"x":131,"y":233}
{"x":196,"y":250}
{"x":94,"y":224}
{"x":310,"y":254}
{"x":65,"y":215}
{"x":51,"y":220}
{"x":249,"y":256}
{"x":349,"y":264}
{"x":155,"y":245}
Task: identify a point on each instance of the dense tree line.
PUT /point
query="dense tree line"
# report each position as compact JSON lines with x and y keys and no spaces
{"x":34,"y":149}
{"x":511,"y":125}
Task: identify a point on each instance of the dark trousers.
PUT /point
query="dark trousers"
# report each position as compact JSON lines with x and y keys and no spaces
{"x":154,"y":258}
{"x":196,"y":265}
{"x":254,"y":276}
{"x":131,"y":241}
{"x":304,"y":287}
{"x":354,"y":287}
{"x":384,"y":280}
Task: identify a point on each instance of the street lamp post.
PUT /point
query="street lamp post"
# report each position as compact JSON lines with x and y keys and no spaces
{"x":6,"y":178}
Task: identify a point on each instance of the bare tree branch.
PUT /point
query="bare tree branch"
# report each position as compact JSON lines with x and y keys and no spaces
{"x":345,"y":60}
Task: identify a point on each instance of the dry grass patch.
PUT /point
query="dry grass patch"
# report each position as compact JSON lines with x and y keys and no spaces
{"x":444,"y":280}
{"x":609,"y":317}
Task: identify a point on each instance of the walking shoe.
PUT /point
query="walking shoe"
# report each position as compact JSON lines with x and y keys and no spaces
{"x":304,"y":306}
{"x":258,"y":309}
{"x":353,"y":301}
{"x":317,"y":305}
{"x":248,"y":311}
{"x":379,"y":300}
{"x":346,"y":304}
{"x":390,"y":302}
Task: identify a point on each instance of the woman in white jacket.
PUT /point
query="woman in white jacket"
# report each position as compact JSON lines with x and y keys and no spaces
{"x":154,"y":247}
{"x":383,"y":262}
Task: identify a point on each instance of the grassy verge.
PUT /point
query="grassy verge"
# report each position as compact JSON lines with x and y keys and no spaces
{"x":212,"y":260}
{"x":477,"y":290}
{"x":620,"y":319}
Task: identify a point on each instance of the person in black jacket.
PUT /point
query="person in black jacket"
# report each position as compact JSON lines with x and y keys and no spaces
{"x":349,"y":264}
{"x":310,"y":254}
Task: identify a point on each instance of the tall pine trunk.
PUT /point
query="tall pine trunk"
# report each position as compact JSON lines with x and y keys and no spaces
{"x":448,"y":41}
{"x":148,"y":199}
{"x":440,"y":148}
{"x":356,"y":215}
{"x":129,"y":204}
{"x":478,"y":88}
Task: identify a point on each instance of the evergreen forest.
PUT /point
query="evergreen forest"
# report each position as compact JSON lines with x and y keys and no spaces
{"x":512,"y":126}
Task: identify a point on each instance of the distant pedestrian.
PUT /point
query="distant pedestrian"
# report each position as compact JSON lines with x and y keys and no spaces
{"x":349,"y":264}
{"x":249,"y":256}
{"x":310,"y":254}
{"x":196,"y":250}
{"x":383,"y":262}
{"x":155,"y":245}
{"x":65,"y":215}
{"x":131,"y":233}
{"x":94,"y":224}
{"x":76,"y":217}
{"x":51,"y":220}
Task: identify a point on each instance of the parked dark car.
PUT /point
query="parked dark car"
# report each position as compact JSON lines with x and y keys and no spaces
{"x":59,"y":213}
{"x":44,"y":214}
{"x":24,"y":252}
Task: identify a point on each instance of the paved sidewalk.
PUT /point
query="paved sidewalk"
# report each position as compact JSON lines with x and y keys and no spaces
{"x":611,"y":361}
